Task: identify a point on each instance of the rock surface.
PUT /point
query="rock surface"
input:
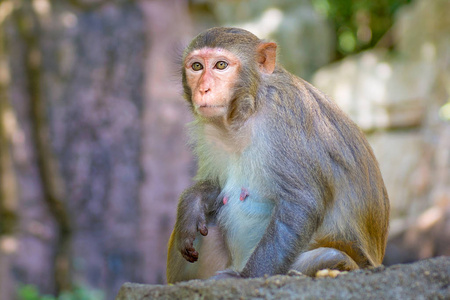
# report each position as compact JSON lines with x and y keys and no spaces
{"x":426,"y":279}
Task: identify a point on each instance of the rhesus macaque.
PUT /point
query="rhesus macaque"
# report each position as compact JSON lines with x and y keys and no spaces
{"x":285,"y":180}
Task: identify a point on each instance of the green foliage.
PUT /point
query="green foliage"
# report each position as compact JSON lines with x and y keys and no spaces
{"x":359,"y":24}
{"x":30,"y":292}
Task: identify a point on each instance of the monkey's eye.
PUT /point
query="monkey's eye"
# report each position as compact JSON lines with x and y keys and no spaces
{"x":221,"y":65}
{"x":197,"y":66}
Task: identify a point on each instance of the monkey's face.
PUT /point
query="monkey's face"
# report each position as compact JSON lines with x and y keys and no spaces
{"x":211,"y":74}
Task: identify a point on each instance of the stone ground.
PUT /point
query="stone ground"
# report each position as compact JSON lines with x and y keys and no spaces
{"x":426,"y":279}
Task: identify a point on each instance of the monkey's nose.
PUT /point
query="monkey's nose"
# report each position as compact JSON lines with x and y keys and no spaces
{"x":204,"y":90}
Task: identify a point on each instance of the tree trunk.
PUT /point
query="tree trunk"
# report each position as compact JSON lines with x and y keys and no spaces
{"x":78,"y":96}
{"x":8,"y":184}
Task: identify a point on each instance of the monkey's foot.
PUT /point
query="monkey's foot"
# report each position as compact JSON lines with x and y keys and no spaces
{"x":244,"y":194}
{"x":295,"y":273}
{"x":226,"y":274}
{"x":328,"y":273}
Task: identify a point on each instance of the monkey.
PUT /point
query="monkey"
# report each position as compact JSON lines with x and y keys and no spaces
{"x":285,"y":180}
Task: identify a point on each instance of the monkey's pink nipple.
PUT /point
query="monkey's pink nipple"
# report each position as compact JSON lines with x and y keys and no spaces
{"x":244,"y":194}
{"x":225,"y":200}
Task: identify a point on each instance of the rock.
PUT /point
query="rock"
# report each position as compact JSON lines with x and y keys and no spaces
{"x":378,"y":91}
{"x":427,"y":279}
{"x":429,"y":39}
{"x":406,"y":170}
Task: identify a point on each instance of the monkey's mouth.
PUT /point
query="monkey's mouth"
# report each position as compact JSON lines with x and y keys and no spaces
{"x":210,"y":106}
{"x":210,"y":110}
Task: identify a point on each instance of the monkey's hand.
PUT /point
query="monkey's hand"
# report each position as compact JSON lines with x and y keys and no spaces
{"x":228,"y":273}
{"x":195,"y":204}
{"x":187,"y":244}
{"x":187,"y":236}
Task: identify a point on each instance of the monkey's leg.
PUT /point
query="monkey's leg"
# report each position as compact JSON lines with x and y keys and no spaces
{"x":312,"y":261}
{"x":213,"y":256}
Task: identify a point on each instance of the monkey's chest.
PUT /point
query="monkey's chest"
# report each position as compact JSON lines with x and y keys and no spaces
{"x":244,"y":219}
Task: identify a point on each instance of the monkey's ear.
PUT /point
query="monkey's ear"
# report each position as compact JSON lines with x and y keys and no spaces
{"x":267,"y":55}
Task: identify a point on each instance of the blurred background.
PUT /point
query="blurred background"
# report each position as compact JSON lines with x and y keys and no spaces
{"x":93,"y":151}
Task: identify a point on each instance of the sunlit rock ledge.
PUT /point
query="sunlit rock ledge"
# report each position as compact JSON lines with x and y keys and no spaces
{"x":426,"y":279}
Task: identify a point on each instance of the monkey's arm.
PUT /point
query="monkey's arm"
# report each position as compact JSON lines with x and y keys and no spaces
{"x":293,"y":222}
{"x":195,"y":204}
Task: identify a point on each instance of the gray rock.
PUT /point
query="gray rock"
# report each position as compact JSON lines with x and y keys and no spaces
{"x":427,"y":279}
{"x":379,"y":91}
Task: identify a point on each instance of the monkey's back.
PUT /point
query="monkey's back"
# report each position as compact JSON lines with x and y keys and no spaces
{"x":323,"y":151}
